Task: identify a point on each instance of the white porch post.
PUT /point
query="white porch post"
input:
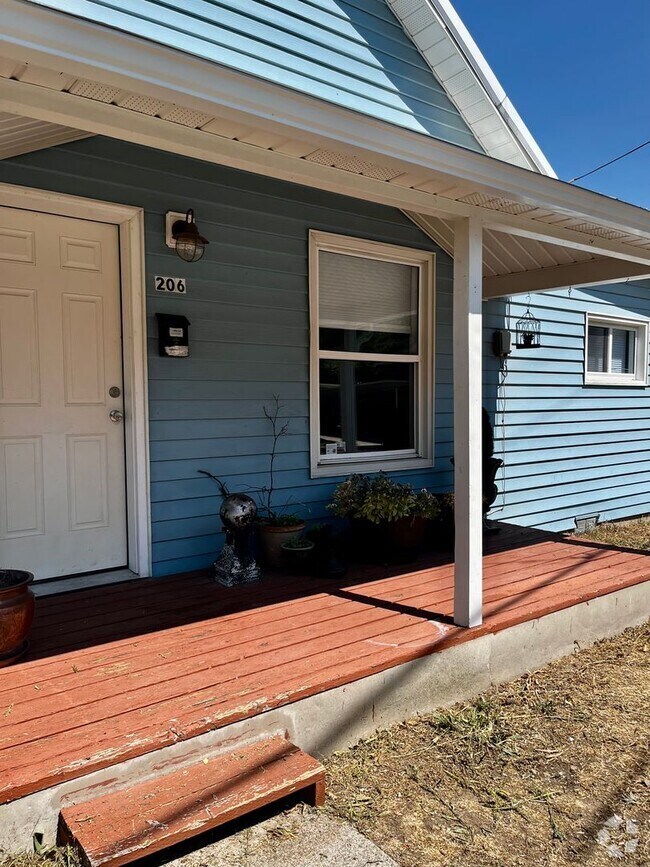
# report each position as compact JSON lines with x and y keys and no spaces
{"x":467,"y":303}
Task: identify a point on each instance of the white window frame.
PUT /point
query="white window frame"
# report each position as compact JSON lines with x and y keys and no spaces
{"x":422,"y":455}
{"x":639,"y":378}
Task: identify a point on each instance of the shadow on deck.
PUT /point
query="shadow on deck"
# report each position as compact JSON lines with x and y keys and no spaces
{"x":119,"y":671}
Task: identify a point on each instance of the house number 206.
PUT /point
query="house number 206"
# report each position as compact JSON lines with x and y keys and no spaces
{"x":171,"y":284}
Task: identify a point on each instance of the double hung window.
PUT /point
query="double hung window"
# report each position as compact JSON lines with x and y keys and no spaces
{"x":371,"y":349}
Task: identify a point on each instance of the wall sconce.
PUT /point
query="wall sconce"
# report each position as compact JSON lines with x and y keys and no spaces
{"x":528,"y":331}
{"x":182,"y":234}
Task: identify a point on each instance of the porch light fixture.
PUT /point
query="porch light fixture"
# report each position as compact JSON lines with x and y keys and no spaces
{"x":188,"y":242}
{"x":528,"y":331}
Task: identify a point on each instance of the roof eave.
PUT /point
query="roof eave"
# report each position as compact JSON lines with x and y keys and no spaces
{"x":443,"y":12}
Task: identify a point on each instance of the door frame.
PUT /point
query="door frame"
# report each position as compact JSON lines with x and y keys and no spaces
{"x":130,"y":223}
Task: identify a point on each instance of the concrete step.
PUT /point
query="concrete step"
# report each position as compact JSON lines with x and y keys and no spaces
{"x":126,"y":825}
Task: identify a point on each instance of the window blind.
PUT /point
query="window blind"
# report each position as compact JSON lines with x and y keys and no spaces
{"x":361,"y":294}
{"x":597,"y":357}
{"x":622,"y":350}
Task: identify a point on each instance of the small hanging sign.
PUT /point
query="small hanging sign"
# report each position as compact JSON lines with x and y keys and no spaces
{"x":177,"y":285}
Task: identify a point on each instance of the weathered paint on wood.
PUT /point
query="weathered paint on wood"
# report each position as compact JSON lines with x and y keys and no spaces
{"x":145,"y":818}
{"x":110,"y":667}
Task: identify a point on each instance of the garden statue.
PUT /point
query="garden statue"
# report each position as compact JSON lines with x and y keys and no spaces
{"x":236,"y":563}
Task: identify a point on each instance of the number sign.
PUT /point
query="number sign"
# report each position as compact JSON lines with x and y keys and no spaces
{"x":171,"y":284}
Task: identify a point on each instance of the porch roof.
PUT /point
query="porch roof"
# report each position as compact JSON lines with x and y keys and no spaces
{"x":538,"y":232}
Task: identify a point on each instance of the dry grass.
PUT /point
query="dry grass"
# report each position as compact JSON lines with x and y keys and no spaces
{"x":54,"y":856}
{"x":624,"y":534}
{"x":534,"y":772}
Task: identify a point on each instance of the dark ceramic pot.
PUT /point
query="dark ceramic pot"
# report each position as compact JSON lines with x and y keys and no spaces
{"x":16,"y":613}
{"x":408,"y":533}
{"x":298,"y":560}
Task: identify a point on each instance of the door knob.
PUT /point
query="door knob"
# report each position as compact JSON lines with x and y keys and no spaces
{"x":116,"y":415}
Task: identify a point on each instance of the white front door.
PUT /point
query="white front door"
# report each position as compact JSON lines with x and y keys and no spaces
{"x":62,"y":468}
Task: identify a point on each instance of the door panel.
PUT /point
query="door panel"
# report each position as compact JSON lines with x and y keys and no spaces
{"x":20,"y":376}
{"x":62,"y":484}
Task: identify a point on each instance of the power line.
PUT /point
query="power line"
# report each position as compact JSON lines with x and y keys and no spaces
{"x":609,"y":163}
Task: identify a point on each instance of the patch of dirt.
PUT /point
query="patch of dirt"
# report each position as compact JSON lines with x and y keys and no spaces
{"x":624,"y":534}
{"x":551,"y":769}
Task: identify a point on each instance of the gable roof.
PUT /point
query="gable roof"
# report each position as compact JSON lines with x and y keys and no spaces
{"x":437,"y":30}
{"x":351,"y":53}
{"x":408,"y":62}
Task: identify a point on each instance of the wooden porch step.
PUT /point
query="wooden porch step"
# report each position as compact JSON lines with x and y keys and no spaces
{"x":147,"y":817}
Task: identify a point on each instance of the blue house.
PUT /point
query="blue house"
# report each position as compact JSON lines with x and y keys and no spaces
{"x":375,"y":209}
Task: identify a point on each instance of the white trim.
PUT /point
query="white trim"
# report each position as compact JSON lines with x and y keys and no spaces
{"x":595,"y":272}
{"x":499,"y":98}
{"x":41,"y":33}
{"x":18,"y":97}
{"x":33,"y":34}
{"x":130,"y":222}
{"x":423,"y":455}
{"x":639,"y":378}
{"x":468,"y":454}
{"x":458,"y":64}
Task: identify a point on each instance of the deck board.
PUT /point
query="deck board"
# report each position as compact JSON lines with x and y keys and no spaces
{"x":119,"y":671}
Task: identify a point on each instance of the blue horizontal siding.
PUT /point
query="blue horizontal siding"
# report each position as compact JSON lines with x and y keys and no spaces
{"x":248,"y":307}
{"x":353,"y":54}
{"x":568,"y":449}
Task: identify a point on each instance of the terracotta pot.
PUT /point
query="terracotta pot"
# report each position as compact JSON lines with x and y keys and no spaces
{"x":272,"y":539}
{"x":16,"y":613}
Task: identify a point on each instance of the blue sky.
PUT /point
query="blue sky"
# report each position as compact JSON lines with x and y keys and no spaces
{"x":578,"y":72}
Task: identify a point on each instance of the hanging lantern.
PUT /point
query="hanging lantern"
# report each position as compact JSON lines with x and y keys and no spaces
{"x":528,"y":331}
{"x":190,"y":244}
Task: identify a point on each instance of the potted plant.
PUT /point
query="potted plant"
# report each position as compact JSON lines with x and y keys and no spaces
{"x":16,"y":613}
{"x":277,"y":526}
{"x":347,"y":502}
{"x":326,"y":557}
{"x":297,"y":554}
{"x":409,"y":532}
{"x":384,"y":514}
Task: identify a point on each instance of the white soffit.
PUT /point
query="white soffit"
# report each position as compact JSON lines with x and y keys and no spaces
{"x":20,"y":135}
{"x":456,"y":60}
{"x":507,"y":254}
{"x":504,"y":254}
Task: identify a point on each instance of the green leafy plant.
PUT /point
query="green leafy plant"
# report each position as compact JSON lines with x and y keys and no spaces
{"x":446,"y":503}
{"x":387,"y":501}
{"x":348,"y":496}
{"x":426,"y":505}
{"x":300,"y":544}
{"x":278,"y":520}
{"x":381,"y":500}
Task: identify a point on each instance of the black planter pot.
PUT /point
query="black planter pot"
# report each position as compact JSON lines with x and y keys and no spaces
{"x":298,"y":560}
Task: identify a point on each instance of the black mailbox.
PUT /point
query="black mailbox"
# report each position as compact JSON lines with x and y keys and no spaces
{"x":173,"y":336}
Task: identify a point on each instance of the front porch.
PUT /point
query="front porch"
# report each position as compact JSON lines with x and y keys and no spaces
{"x":123,"y":681}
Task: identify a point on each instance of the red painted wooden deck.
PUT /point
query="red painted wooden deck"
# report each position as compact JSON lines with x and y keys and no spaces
{"x":123,"y":670}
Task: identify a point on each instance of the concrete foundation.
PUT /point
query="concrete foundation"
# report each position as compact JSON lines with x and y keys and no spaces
{"x":338,"y":718}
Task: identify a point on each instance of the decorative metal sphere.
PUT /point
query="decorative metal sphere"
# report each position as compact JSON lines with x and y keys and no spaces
{"x":237,"y":511}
